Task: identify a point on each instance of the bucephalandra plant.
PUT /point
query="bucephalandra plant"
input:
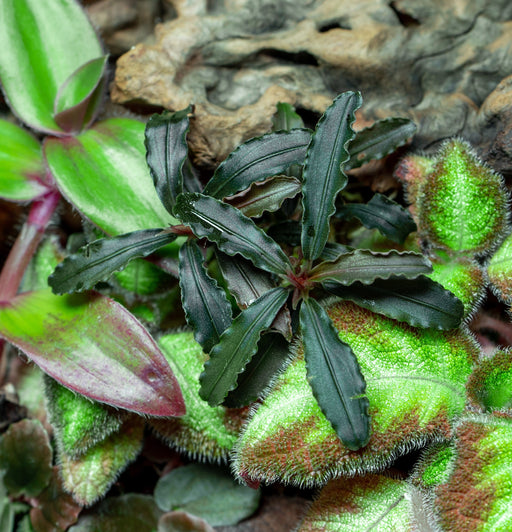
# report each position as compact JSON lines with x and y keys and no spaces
{"x":273,"y":342}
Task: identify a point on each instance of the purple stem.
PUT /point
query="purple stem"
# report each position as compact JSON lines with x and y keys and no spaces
{"x":26,"y":244}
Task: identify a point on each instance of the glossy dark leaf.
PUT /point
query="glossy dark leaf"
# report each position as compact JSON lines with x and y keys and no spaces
{"x":99,"y":259}
{"x":390,"y":218}
{"x":167,"y":153}
{"x":233,"y":232}
{"x":245,"y":282}
{"x":267,"y":196}
{"x":272,"y":354}
{"x":334,"y":376}
{"x":205,"y":304}
{"x":380,"y":139}
{"x":323,"y":171}
{"x":257,"y":159}
{"x":419,"y":302}
{"x":366,"y":266}
{"x":286,"y":118}
{"x":332,"y":251}
{"x":286,"y":233}
{"x":237,"y":346}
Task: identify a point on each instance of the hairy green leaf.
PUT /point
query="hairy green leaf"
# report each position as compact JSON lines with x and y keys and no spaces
{"x":79,"y":97}
{"x":289,"y":439}
{"x":103,"y":173}
{"x":323,"y":171}
{"x":204,"y":432}
{"x":94,"y":346}
{"x":167,"y":153}
{"x":21,"y":164}
{"x":208,"y":492}
{"x":257,"y":159}
{"x":206,"y":307}
{"x":40,"y":50}
{"x":419,"y":302}
{"x":237,"y":346}
{"x":380,"y":139}
{"x":265,"y":196}
{"x":390,"y":218}
{"x":97,"y":261}
{"x":231,"y":231}
{"x":499,"y":270}
{"x":286,"y":118}
{"x":365,"y":266}
{"x":334,"y":376}
{"x":271,"y":356}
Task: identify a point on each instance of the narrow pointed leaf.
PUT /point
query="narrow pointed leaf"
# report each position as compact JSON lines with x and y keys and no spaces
{"x":237,"y":346}
{"x":419,"y":302}
{"x":379,"y":140}
{"x":286,"y":118}
{"x":257,"y":159}
{"x":79,"y":97}
{"x":365,"y":266}
{"x":390,"y":218}
{"x":205,"y":432}
{"x":21,"y":164}
{"x":272,"y":354}
{"x":94,"y":346}
{"x":206,"y":307}
{"x":167,"y":153}
{"x":334,"y":376}
{"x":267,"y":196}
{"x":40,"y":50}
{"x":245,"y":282}
{"x":233,"y":232}
{"x":103,"y":173}
{"x":97,"y":261}
{"x":323,"y":171}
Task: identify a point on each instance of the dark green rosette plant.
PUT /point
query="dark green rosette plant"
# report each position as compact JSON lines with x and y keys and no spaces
{"x":278,"y":289}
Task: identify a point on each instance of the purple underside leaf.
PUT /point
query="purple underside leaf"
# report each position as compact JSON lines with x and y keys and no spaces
{"x":323,"y":171}
{"x":366,"y":266}
{"x":40,"y":50}
{"x":94,"y":346}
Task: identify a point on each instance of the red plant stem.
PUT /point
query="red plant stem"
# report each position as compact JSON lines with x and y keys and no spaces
{"x":26,"y":244}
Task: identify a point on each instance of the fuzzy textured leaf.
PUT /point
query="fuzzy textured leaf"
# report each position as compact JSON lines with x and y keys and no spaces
{"x":366,"y":266}
{"x":334,"y":376}
{"x":97,"y":261}
{"x":79,"y":97}
{"x":390,"y":218}
{"x":419,"y":302}
{"x":103,"y":173}
{"x":204,"y":432}
{"x":21,"y":164}
{"x":237,"y":346}
{"x":231,"y":231}
{"x":167,"y":153}
{"x":257,"y":159}
{"x":208,"y":492}
{"x":289,"y":439}
{"x":266,"y":196}
{"x":206,"y":307}
{"x":94,"y":346}
{"x":323,"y":171}
{"x":380,"y":139}
{"x":39,"y":52}
{"x":499,"y":270}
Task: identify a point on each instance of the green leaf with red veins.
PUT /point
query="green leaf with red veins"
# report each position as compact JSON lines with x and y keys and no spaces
{"x":167,"y":153}
{"x":25,"y":458}
{"x":366,"y":266}
{"x":103,"y":173}
{"x":257,"y":159}
{"x":94,"y":346}
{"x":21,"y":164}
{"x":40,"y":50}
{"x":289,"y":439}
{"x":79,"y":97}
{"x":323,"y":171}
